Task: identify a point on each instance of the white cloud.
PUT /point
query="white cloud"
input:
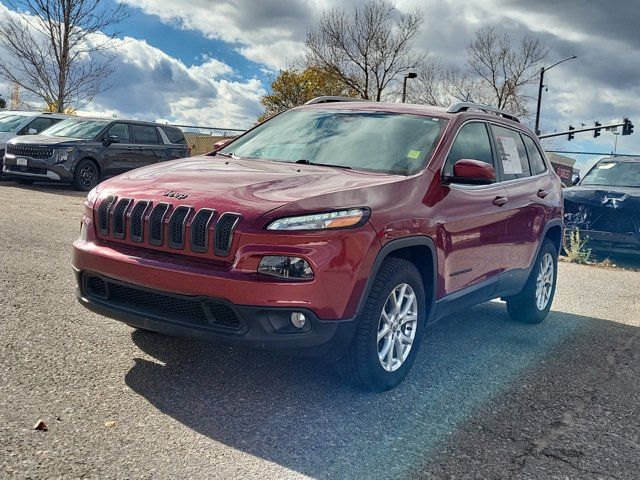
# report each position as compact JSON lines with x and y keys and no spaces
{"x":149,"y":84}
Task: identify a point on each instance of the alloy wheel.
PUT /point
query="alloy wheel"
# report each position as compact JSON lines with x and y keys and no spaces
{"x":544,"y":281}
{"x":397,"y":327}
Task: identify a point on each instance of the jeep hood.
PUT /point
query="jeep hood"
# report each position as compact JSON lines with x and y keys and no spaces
{"x":249,"y":187}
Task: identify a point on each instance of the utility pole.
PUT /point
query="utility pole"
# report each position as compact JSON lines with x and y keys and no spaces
{"x":543,"y":70}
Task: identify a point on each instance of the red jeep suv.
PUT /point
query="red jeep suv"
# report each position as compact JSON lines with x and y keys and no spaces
{"x":337,"y":229}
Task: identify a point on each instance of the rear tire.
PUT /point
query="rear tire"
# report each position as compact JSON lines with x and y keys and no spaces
{"x":86,"y":176}
{"x":389,"y":330}
{"x":533,"y":303}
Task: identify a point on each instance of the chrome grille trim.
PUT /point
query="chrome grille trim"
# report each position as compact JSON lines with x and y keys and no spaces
{"x":223,"y":238}
{"x":104,"y":213}
{"x":136,"y":221}
{"x":119,"y":216}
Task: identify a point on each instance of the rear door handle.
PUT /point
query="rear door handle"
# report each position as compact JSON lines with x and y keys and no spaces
{"x":542,"y":193}
{"x":500,"y":201}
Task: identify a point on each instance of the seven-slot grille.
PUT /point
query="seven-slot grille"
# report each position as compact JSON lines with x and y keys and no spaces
{"x":33,"y":151}
{"x":124,"y":219}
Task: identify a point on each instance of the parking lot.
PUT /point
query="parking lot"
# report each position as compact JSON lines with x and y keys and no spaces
{"x":487,"y":398}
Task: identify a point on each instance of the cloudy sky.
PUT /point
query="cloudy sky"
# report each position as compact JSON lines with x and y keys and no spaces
{"x":208,"y":62}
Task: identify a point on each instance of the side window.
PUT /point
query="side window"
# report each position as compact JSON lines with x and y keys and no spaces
{"x":535,"y":157}
{"x":472,"y":142}
{"x":511,"y":153}
{"x":121,"y":130}
{"x":174,"y":135}
{"x":145,"y":134}
{"x":39,"y":124}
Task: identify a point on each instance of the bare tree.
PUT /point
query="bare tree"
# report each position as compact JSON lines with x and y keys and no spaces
{"x":368,"y":49}
{"x":60,"y":51}
{"x":499,"y":70}
{"x":431,"y":86}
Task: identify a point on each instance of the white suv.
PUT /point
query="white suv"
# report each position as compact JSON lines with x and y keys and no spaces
{"x":14,"y":123}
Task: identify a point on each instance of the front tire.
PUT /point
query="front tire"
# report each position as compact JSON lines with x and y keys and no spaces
{"x":389,"y":330}
{"x":533,"y":303}
{"x":86,"y":176}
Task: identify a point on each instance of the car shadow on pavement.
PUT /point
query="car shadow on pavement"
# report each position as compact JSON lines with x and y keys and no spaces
{"x":298,"y":413}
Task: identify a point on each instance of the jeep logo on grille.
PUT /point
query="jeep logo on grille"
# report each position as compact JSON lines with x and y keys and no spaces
{"x":178,"y":195}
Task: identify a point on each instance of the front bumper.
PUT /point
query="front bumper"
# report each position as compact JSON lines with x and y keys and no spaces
{"x":177,"y":315}
{"x":37,"y":169}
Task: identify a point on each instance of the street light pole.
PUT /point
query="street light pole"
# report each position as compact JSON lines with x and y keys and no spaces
{"x":541,"y":86}
{"x":404,"y":84}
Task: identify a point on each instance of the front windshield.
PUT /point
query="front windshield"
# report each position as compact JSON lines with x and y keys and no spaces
{"x":8,"y":123}
{"x":377,"y":141}
{"x":615,"y":174}
{"x":77,"y":128}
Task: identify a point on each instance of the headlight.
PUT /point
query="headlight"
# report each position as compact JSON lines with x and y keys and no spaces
{"x":293,"y":268}
{"x":319,"y":221}
{"x":62,"y":154}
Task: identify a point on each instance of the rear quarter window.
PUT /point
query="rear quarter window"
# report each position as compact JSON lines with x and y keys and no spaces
{"x":536,"y":159}
{"x":174,"y":135}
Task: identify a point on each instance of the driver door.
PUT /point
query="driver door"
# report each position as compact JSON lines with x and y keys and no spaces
{"x":473,"y":230}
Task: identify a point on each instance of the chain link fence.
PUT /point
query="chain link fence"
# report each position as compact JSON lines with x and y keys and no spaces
{"x":202,"y":139}
{"x":572,"y":159}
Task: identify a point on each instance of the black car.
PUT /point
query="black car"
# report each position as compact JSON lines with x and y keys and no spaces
{"x":83,"y":151}
{"x":605,"y":206}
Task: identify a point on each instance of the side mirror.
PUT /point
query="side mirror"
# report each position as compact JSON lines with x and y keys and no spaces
{"x":220,"y":144}
{"x":576,"y":181}
{"x":109,"y":139}
{"x":472,"y":172}
{"x":32,"y":131}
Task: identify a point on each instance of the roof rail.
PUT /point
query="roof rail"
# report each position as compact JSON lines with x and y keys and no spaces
{"x":465,"y":106}
{"x":332,"y":99}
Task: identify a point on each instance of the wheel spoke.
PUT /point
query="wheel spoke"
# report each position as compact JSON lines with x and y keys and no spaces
{"x":384,"y":332}
{"x":405,"y":338}
{"x":408,"y":304}
{"x":408,"y":318}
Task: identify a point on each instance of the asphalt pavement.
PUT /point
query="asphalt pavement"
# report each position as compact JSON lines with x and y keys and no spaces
{"x":487,"y":398}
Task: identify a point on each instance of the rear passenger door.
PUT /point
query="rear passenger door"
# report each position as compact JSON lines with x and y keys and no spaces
{"x":147,"y":141}
{"x":522,"y":170}
{"x":473,"y":230}
{"x":175,"y":144}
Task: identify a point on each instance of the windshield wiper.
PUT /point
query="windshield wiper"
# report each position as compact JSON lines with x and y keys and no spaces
{"x":228,"y":155}
{"x":304,"y":161}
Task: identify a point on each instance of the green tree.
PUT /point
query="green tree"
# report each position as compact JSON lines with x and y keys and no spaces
{"x":294,"y":87}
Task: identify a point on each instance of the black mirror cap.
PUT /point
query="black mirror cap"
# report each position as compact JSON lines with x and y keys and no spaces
{"x":109,"y":139}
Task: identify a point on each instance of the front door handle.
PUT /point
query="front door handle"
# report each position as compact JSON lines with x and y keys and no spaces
{"x":542,"y":193}
{"x":500,"y":201}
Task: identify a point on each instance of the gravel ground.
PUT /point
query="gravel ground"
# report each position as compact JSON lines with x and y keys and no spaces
{"x":486,"y":399}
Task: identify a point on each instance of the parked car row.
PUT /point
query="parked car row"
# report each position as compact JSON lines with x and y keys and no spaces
{"x":82,"y":151}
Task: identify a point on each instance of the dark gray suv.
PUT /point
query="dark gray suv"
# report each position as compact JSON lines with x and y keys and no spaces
{"x":83,"y":151}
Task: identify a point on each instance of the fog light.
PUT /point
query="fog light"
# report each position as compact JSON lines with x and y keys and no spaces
{"x":293,"y":268}
{"x":298,"y":319}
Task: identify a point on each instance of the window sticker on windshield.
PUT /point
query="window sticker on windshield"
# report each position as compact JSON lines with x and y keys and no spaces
{"x":508,"y":151}
{"x":413,"y":154}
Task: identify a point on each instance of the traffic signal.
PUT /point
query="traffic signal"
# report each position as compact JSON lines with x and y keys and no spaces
{"x":596,"y":132}
{"x":627,"y":128}
{"x":571,"y":135}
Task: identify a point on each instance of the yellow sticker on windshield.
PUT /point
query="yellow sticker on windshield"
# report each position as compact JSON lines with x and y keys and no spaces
{"x":413,"y":154}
